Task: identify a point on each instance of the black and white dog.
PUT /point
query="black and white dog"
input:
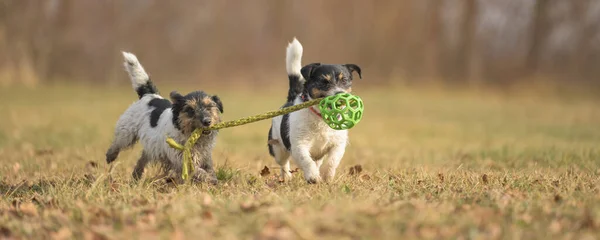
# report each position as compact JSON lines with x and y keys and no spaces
{"x":152,"y":118}
{"x":303,"y":134}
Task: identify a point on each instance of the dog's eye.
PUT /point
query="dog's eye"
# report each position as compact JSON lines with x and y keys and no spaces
{"x":189,"y":111}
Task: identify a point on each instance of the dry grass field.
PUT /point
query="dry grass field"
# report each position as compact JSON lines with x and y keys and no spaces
{"x":425,"y":164}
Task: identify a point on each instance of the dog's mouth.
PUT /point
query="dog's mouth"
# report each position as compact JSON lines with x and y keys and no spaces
{"x":207,"y":132}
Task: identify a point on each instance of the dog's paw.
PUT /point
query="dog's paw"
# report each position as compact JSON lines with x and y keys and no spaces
{"x":202,"y":176}
{"x":312,"y":178}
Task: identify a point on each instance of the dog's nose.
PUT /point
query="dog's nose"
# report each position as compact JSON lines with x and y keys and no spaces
{"x":207,"y":121}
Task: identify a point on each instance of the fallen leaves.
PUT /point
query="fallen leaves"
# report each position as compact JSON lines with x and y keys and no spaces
{"x":92,"y":165}
{"x":5,"y":232}
{"x":364,"y":177}
{"x":206,"y":200}
{"x":275,"y":229}
{"x":356,"y":169}
{"x":63,"y":233}
{"x":555,"y":227}
{"x":265,"y":171}
{"x":28,"y":208}
{"x":557,"y":198}
{"x":249,"y":206}
{"x":16,"y":167}
{"x":485,"y":179}
{"x":42,"y":152}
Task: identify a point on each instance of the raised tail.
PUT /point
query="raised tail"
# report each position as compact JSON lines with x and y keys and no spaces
{"x":293,"y":64}
{"x":140,"y":81}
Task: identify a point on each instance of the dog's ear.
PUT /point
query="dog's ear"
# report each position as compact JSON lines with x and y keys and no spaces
{"x":307,"y":70}
{"x":176,"y":97}
{"x":217,"y":100}
{"x":354,"y":68}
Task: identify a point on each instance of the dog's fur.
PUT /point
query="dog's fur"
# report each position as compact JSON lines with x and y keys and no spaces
{"x":152,"y":118}
{"x":303,"y":134}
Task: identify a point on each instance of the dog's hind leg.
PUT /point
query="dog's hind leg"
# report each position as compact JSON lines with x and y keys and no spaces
{"x":123,"y":139}
{"x":140,"y":166}
{"x":282,"y":157}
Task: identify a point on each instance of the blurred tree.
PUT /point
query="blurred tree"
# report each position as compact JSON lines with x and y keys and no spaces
{"x":471,"y":41}
{"x":538,"y":34}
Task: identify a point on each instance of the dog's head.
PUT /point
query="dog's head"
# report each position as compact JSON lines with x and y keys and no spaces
{"x":324,"y":80}
{"x":195,"y":110}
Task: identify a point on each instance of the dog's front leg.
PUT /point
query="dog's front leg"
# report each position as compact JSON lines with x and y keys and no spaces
{"x":306,"y":163}
{"x":204,"y":171}
{"x":332,"y":161}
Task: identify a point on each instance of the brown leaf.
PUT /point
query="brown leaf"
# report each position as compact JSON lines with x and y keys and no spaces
{"x":16,"y":167}
{"x":97,"y":233}
{"x":139,"y":202}
{"x":41,"y":152}
{"x":207,"y":215}
{"x":92,"y":164}
{"x":206,"y":200}
{"x":177,"y":234}
{"x":5,"y":232}
{"x":356,"y":169}
{"x":28,"y":209}
{"x":365,"y":177}
{"x":555,"y":227}
{"x":588,"y":220}
{"x":295,"y":170}
{"x":265,"y":171}
{"x":248,"y":206}
{"x":93,"y":236}
{"x":274,"y":229}
{"x":557,"y":198}
{"x":63,"y":233}
{"x":485,"y":179}
{"x":441,"y":177}
{"x":89,"y":177}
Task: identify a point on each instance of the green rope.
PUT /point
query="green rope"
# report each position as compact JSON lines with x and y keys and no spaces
{"x":187,"y":148}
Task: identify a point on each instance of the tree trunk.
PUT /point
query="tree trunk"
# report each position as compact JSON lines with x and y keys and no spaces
{"x":472,"y":66}
{"x":539,"y":31}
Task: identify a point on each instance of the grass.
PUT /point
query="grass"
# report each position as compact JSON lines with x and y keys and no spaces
{"x":425,"y":164}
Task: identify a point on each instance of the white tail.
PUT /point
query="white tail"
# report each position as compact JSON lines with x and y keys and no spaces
{"x":137,"y":75}
{"x":293,"y":58}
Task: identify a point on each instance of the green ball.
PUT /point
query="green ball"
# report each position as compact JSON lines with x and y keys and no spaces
{"x":341,"y":111}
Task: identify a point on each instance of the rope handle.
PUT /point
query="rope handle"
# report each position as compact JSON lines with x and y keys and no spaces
{"x":187,"y":147}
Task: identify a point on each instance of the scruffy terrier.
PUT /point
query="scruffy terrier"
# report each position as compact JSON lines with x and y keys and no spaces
{"x":303,"y":134}
{"x":152,"y":119}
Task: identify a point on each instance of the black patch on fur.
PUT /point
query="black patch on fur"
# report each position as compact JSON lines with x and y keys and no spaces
{"x":147,"y":88}
{"x":314,"y":75}
{"x":285,"y":128}
{"x":217,"y":100}
{"x":271,"y":152}
{"x":159,"y":106}
{"x":111,"y":156}
{"x":296,"y":87}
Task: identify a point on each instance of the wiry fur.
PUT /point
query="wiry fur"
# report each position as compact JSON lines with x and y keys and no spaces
{"x":152,"y":118}
{"x":316,"y":148}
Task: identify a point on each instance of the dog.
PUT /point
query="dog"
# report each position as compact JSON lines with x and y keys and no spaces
{"x":303,"y":134}
{"x":152,"y":119}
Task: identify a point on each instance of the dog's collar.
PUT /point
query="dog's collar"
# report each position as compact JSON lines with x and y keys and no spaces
{"x":312,"y":108}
